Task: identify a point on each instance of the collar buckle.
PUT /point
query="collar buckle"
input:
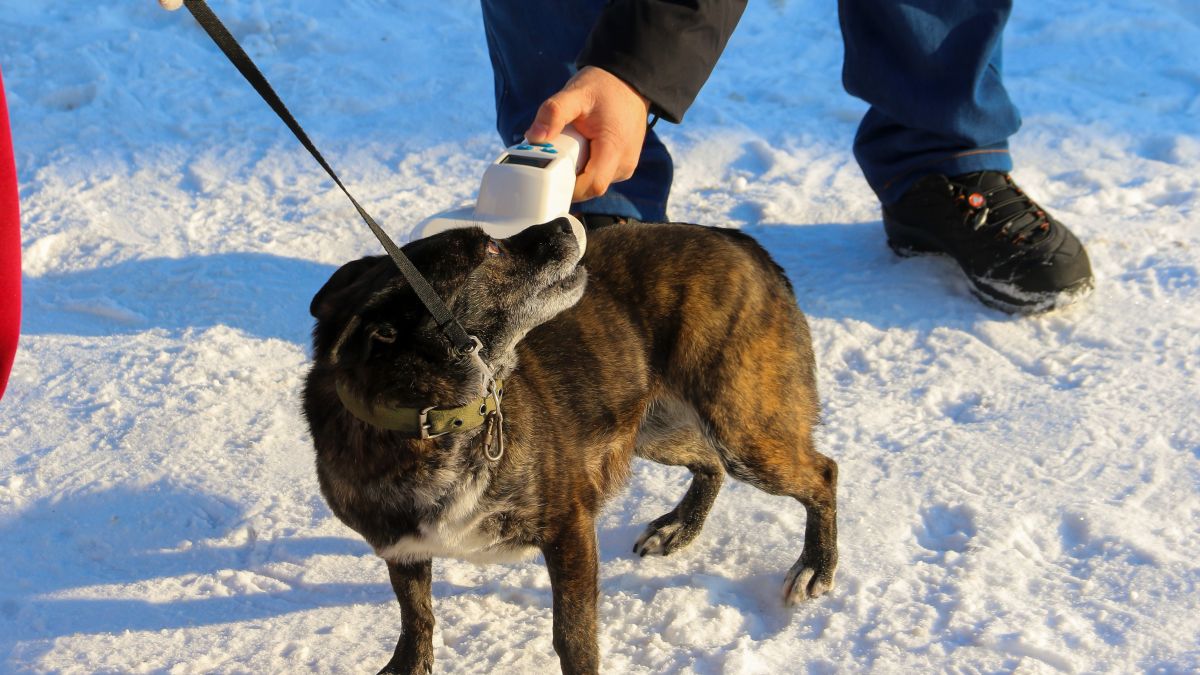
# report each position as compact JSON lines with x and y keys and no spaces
{"x":424,"y":425}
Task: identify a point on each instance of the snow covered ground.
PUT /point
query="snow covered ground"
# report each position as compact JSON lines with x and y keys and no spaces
{"x":1016,"y":494}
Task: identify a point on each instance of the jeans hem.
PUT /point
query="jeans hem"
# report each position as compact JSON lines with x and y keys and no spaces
{"x":994,"y":159}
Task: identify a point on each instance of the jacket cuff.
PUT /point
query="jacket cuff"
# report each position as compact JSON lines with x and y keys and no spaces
{"x":664,"y":49}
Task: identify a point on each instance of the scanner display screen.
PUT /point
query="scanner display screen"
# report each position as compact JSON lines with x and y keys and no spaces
{"x":539,"y":162}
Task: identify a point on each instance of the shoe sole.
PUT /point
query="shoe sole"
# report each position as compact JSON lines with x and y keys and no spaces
{"x":907,"y":242}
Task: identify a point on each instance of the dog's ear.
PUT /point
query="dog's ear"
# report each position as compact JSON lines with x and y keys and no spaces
{"x":334,"y":294}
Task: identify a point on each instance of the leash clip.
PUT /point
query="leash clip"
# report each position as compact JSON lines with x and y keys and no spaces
{"x":493,"y":434}
{"x":493,"y":437}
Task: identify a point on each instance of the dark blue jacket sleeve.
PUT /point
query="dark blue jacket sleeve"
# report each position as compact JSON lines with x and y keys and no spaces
{"x":665,"y":49}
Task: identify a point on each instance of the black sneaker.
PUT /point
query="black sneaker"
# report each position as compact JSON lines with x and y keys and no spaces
{"x":1018,"y":258}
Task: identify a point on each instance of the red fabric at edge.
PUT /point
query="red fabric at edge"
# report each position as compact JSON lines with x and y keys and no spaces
{"x":10,"y":249}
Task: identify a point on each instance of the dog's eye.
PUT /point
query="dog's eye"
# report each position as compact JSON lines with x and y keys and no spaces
{"x":383,"y":333}
{"x":493,"y":248}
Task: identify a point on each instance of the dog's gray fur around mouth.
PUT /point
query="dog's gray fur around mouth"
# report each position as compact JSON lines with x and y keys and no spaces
{"x":678,"y":343}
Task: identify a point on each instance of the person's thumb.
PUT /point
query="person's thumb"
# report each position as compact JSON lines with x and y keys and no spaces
{"x":557,"y":112}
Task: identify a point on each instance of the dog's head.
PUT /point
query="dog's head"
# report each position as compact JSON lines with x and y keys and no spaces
{"x":377,"y":337}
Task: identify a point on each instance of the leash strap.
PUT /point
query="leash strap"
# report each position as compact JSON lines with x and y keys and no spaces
{"x":216,"y":30}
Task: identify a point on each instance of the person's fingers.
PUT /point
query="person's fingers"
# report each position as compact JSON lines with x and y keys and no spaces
{"x":606,"y":111}
{"x":557,"y":112}
{"x":602,"y":169}
{"x":171,"y":5}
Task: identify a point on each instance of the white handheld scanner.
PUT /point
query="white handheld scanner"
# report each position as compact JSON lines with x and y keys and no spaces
{"x":528,"y":184}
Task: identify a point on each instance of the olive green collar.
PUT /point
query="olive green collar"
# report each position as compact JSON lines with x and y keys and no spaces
{"x":423,"y":422}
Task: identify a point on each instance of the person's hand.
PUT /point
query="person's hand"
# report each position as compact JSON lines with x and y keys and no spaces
{"x":607,"y":112}
{"x":171,"y":5}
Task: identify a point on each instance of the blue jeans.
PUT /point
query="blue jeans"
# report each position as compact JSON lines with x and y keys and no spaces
{"x":930,"y":70}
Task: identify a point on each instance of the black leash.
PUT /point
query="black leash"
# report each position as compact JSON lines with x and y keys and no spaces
{"x":449,"y":326}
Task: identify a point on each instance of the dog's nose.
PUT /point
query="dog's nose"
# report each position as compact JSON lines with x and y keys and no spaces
{"x":571,"y":224}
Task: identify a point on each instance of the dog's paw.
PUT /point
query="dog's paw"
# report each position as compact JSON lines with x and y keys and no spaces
{"x":664,"y":536}
{"x":408,"y":667}
{"x":804,"y":582}
{"x":389,"y":669}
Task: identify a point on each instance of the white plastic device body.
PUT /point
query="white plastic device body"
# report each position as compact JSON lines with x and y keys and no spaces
{"x":528,"y":184}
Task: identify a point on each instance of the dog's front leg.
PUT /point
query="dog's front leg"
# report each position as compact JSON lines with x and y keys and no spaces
{"x":571,"y":560}
{"x":413,"y":586}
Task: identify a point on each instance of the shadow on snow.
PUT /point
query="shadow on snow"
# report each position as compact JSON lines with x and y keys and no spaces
{"x":263,"y":295}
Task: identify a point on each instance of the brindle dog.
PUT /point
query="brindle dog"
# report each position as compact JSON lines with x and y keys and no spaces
{"x":686,"y":347}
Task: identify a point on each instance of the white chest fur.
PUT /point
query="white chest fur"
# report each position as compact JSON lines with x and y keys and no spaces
{"x":459,"y":533}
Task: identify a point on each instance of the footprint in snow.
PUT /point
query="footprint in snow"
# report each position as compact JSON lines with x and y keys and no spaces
{"x":946,"y":528}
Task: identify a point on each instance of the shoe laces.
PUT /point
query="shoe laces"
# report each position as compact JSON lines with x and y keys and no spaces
{"x":1002,"y":209}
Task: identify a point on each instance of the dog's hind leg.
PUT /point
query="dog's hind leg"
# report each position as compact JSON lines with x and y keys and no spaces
{"x":812,"y":574}
{"x":670,"y":436}
{"x":766,"y":441}
{"x":787,"y":465}
{"x":412,"y":583}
